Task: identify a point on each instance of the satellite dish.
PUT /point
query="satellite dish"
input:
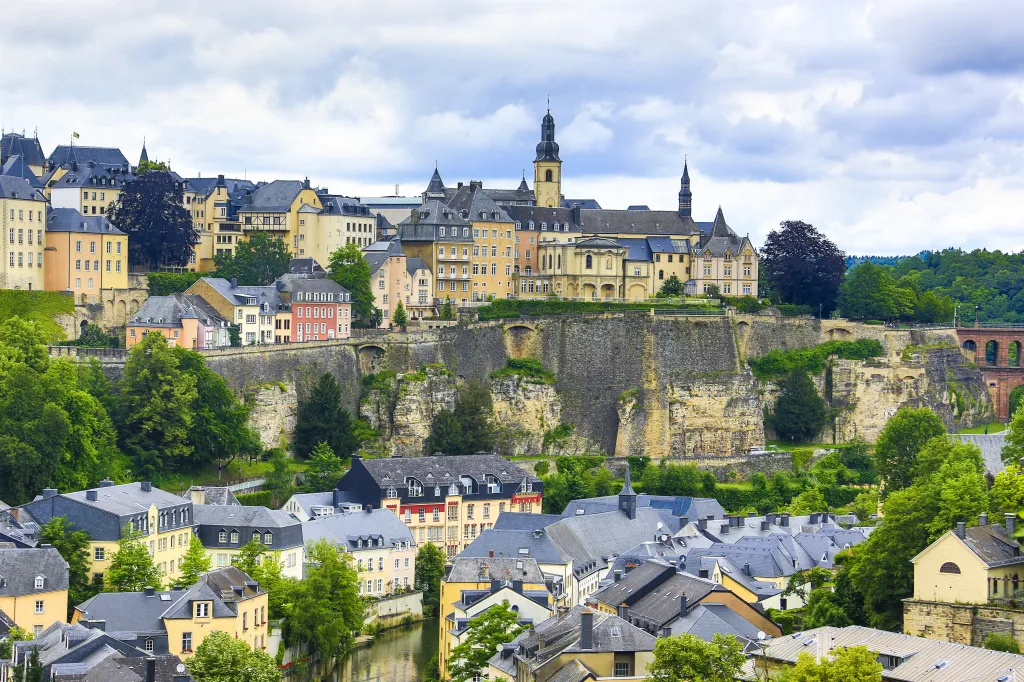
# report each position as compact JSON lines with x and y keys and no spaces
{"x":761,"y":636}
{"x":660,"y":525}
{"x":180,"y":668}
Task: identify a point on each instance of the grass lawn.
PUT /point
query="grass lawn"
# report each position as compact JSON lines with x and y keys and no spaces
{"x":207,"y":475}
{"x":994,"y":427}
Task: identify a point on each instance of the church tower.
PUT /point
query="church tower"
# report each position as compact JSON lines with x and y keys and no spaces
{"x":143,"y":157}
{"x":627,"y":498}
{"x":547,"y":167}
{"x":685,"y":196}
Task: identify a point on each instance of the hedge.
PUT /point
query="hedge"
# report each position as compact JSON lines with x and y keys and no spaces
{"x":167,"y":283}
{"x":778,"y":363}
{"x":790,"y":310}
{"x":257,"y":499}
{"x":511,"y":308}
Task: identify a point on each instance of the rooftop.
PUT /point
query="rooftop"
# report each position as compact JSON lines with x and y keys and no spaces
{"x":70,"y":220}
{"x":19,"y":569}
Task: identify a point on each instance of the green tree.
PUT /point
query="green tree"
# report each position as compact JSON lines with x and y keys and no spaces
{"x":848,"y":664}
{"x":151,"y":210}
{"x":869,"y":291}
{"x":280,"y":479}
{"x":147,"y":165}
{"x":799,"y":413}
{"x":94,"y":337}
{"x":269,"y":573}
{"x":32,"y":669}
{"x":1008,"y":490}
{"x":131,"y":568}
{"x":15,"y":634}
{"x":73,"y":546}
{"x":1013,"y":448}
{"x":448,"y":310}
{"x":326,"y":609}
{"x":445,"y":433}
{"x":400,"y":317}
{"x":194,"y":565}
{"x":800,"y":265}
{"x":688,"y":658}
{"x":605,"y":483}
{"x":235,"y":335}
{"x":222,"y":658}
{"x":475,"y":411}
{"x":257,"y":261}
{"x":496,"y":626}
{"x":350,"y":270}
{"x":250,"y":556}
{"x":864,"y":505}
{"x":671,"y":287}
{"x":430,"y":562}
{"x":904,"y":435}
{"x":323,"y":469}
{"x":808,"y":502}
{"x":156,"y":407}
{"x":321,"y":419}
{"x":1001,"y":641}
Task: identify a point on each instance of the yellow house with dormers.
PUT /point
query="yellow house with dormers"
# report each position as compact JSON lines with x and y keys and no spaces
{"x":492,"y":229}
{"x":34,"y":587}
{"x":165,"y":521}
{"x":275,"y":208}
{"x":213,"y":204}
{"x":84,"y":255}
{"x":22,"y":217}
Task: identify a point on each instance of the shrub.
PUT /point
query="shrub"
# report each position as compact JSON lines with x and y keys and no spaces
{"x":791,"y":310}
{"x":542,"y":468}
{"x":745,"y":304}
{"x":37,"y":306}
{"x":1001,"y":641}
{"x":777,"y":363}
{"x":257,"y":499}
{"x":167,"y":283}
{"x":530,"y":368}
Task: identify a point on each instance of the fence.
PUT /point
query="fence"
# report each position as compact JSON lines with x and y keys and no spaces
{"x":84,"y":352}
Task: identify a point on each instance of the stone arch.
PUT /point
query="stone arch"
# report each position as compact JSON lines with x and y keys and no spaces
{"x":370,"y":358}
{"x":637,"y":292}
{"x":522,"y":340}
{"x":589,"y":292}
{"x":839,"y":333}
{"x":992,"y":352}
{"x":82,"y":325}
{"x":133,"y":306}
{"x":607,"y":291}
{"x":1013,"y":353}
{"x":970,"y":345}
{"x":121,"y":309}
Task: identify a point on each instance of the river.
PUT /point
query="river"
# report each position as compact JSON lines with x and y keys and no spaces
{"x":398,"y":655}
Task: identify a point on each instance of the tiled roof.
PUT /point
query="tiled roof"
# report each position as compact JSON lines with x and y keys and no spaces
{"x":346,"y":529}
{"x":19,"y":569}
{"x":71,"y":220}
{"x":216,"y":586}
{"x":13,"y":187}
{"x":267,"y":298}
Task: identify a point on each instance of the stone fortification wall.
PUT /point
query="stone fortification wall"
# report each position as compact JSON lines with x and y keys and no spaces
{"x":961,"y":623}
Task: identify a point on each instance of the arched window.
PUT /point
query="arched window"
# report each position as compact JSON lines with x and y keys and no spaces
{"x":661,"y":274}
{"x":531,"y":224}
{"x":590,"y":261}
{"x":949,"y":567}
{"x":442,"y":231}
{"x":547,"y":175}
{"x":559,"y":260}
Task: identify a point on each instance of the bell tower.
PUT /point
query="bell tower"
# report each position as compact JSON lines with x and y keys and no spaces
{"x":547,"y":167}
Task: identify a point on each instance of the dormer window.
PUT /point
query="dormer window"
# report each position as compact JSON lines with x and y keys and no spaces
{"x":453,"y":489}
{"x":256,"y":535}
{"x":437,"y":491}
{"x":531,"y":224}
{"x":203,"y":609}
{"x":40,"y":582}
{"x":222,"y":537}
{"x":391,"y":493}
{"x":415,"y":487}
{"x":544,"y":225}
{"x":441,"y":231}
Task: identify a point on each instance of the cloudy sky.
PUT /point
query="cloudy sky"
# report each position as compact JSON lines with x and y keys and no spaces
{"x":893,"y":126}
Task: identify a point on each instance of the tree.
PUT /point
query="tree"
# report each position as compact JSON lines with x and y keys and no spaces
{"x":321,"y":419}
{"x":447,"y":310}
{"x":848,"y":664}
{"x":32,"y":669}
{"x":15,"y":634}
{"x":445,"y":433}
{"x":323,"y":469}
{"x":808,"y":502}
{"x":688,"y":658}
{"x":672,"y":286}
{"x":496,"y":626}
{"x":222,"y":658}
{"x":799,"y":413}
{"x":235,"y":335}
{"x":869,"y":291}
{"x":94,"y":337}
{"x":903,"y":437}
{"x":1001,"y":641}
{"x":250,"y":556}
{"x":430,"y":562}
{"x":1013,"y":449}
{"x":400,"y":317}
{"x":131,"y":568}
{"x":156,"y":407}
{"x":474,"y":409}
{"x":151,"y":210}
{"x":800,"y":265}
{"x":257,"y":261}
{"x":278,"y":481}
{"x":269,"y":573}
{"x":73,"y":546}
{"x":194,"y":565}
{"x":145,"y":166}
{"x":350,"y":270}
{"x":326,"y":609}
{"x":1008,"y":490}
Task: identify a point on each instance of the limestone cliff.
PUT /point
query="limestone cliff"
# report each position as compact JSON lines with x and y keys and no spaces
{"x":272,"y":413}
{"x":401,"y":407}
{"x":524,"y":410}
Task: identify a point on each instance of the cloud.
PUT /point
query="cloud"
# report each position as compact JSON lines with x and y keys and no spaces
{"x":586,"y":132}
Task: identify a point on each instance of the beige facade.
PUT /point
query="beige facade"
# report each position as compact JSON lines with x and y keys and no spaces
{"x":84,"y":255}
{"x":492,"y":260}
{"x":735,"y":274}
{"x":35,"y":612}
{"x":22,"y":219}
{"x":281,"y":220}
{"x":594,"y":269}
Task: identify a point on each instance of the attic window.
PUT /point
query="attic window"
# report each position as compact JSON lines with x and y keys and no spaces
{"x":949,"y":567}
{"x":40,"y":582}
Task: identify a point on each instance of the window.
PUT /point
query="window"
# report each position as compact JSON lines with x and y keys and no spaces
{"x":149,"y":645}
{"x":186,"y":642}
{"x":268,"y":539}
{"x":40,"y":582}
{"x":99,"y":554}
{"x":234,"y":537}
{"x":39,"y":605}
{"x":245,"y":620}
{"x":590,"y":262}
{"x":949,"y":567}
{"x":622,"y":669}
{"x":203,"y":609}
{"x":256,"y":535}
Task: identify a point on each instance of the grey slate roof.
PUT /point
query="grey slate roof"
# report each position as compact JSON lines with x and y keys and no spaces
{"x":234,"y":186}
{"x":346,"y":529}
{"x":538,"y":214}
{"x":307,"y":285}
{"x":13,"y":187}
{"x":473,"y":203}
{"x":607,"y":221}
{"x":108,"y":157}
{"x":435,"y":188}
{"x":709,"y":619}
{"x":511,"y":543}
{"x":692,"y":508}
{"x":340,"y":205}
{"x":71,"y":220}
{"x":216,"y":586}
{"x":213,"y":495}
{"x":211,"y":519}
{"x":573,"y":671}
{"x":307,"y":267}
{"x":130,"y":612}
{"x":268,"y":298}
{"x":16,"y":167}
{"x":466,"y":569}
{"x":722,"y":239}
{"x":20,"y":567}
{"x":443,"y":469}
{"x":653,"y":591}
{"x":590,"y":204}
{"x":414,"y":264}
{"x":993,"y":546}
{"x":763,"y":562}
{"x":28,"y":148}
{"x":389,"y":245}
{"x":273,"y":197}
{"x":561,"y":635}
{"x":168,"y":311}
{"x":432,"y":215}
{"x":96,"y":177}
{"x":524,"y":521}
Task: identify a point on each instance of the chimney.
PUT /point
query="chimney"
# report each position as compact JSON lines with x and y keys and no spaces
{"x":576,"y":214}
{"x":234,"y":282}
{"x":368,"y":509}
{"x":305,"y":184}
{"x":682,"y":605}
{"x":960,"y":529}
{"x":476,"y":184}
{"x":702,"y":524}
{"x":618,"y":575}
{"x":751,"y":515}
{"x":814,"y":519}
{"x":586,"y":629}
{"x":785,"y":520}
{"x":91,"y":495}
{"x":517,"y":586}
{"x":49,"y":492}
{"x":982,"y":519}
{"x":725,"y":529}
{"x":746,"y":568}
{"x":623,"y":611}
{"x":765,"y":524}
{"x":150,"y":669}
{"x":490,"y":554}
{"x":146,"y":486}
{"x":414,"y":216}
{"x":149,"y":591}
{"x":1011,"y":523}
{"x":460,"y":186}
{"x":485,"y":571}
{"x":495,"y":586}
{"x":106,"y":483}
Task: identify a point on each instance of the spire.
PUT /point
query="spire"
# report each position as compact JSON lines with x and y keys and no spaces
{"x":627,"y":498}
{"x":685,"y":196}
{"x":523,"y":187}
{"x":627,"y":487}
{"x":720,"y":228}
{"x":686,"y":172}
{"x":547,"y":148}
{"x":143,"y":157}
{"x":435,"y":188}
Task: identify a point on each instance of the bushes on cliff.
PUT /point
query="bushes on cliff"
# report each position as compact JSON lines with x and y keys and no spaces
{"x":511,"y":308}
{"x":799,"y":413}
{"x":530,"y":369}
{"x":167,"y":283}
{"x":778,"y":363}
{"x":320,"y":418}
{"x":467,"y":429}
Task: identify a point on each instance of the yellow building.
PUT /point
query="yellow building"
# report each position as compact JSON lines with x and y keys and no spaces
{"x":340,"y":221}
{"x":33,"y":588}
{"x":177,"y":622}
{"x":22,"y":217}
{"x":275,"y":207}
{"x":974,"y":565}
{"x":492,"y":230}
{"x":469,"y":583}
{"x":97,"y":175}
{"x":84,"y":255}
{"x":165,"y":520}
{"x":395,"y":277}
{"x":213,"y":204}
{"x":594,"y":269}
{"x":547,"y":166}
{"x":438,"y":236}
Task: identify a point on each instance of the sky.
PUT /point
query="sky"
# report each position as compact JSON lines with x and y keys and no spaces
{"x":892,"y":126}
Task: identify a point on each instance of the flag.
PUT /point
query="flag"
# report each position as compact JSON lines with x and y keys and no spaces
{"x":75,"y":135}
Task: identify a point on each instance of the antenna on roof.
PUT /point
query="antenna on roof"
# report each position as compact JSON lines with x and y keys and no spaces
{"x":549,"y":102}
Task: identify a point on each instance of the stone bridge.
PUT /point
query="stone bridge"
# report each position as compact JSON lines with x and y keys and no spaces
{"x":997,"y":351}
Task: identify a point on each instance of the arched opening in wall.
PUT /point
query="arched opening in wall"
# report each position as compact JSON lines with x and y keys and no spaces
{"x":134,"y":307}
{"x":992,"y":352}
{"x":589,"y":291}
{"x":370,"y":359}
{"x":970,"y":345}
{"x":83,"y":299}
{"x":521,"y":341}
{"x":839,"y":333}
{"x":1013,"y":350}
{"x":607,"y":291}
{"x":82,"y":325}
{"x":122,"y":313}
{"x":637,"y":292}
{"x":547,"y":176}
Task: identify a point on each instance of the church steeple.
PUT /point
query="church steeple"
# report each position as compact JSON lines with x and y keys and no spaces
{"x":143,"y":157}
{"x":627,"y":498}
{"x":435,"y":188}
{"x":685,"y":196}
{"x":547,"y":166}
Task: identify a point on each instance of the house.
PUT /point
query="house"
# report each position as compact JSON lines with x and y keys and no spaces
{"x":664,"y":601}
{"x":306,"y":506}
{"x":185,"y":320}
{"x":89,"y":188}
{"x":904,"y":658}
{"x":84,"y":254}
{"x":33,"y":587}
{"x":260,"y":313}
{"x":580,"y":644}
{"x":536,"y":226}
{"x":321,"y":309}
{"x":492,"y":230}
{"x":420,"y":300}
{"x":340,"y":220}
{"x":472,"y":585}
{"x":274,"y":208}
{"x":107,"y":512}
{"x":208,"y":494}
{"x":22,"y":208}
{"x":382,"y":547}
{"x":441,"y":238}
{"x":389,"y":277}
{"x":213,"y":204}
{"x":224,"y":599}
{"x":28,"y":149}
{"x":447,"y":500}
{"x":225,"y":529}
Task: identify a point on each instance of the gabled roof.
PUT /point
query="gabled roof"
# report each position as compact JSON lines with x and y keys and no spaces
{"x":341,"y":205}
{"x":130,"y":612}
{"x":234,"y":186}
{"x":169,"y":311}
{"x":16,"y":167}
{"x":217,"y":586}
{"x":28,"y":148}
{"x":240,"y":295}
{"x":71,"y":220}
{"x":412,"y":265}
{"x":561,"y":635}
{"x":13,"y":187}
{"x":19,"y":569}
{"x":431,"y":216}
{"x":474,"y":204}
{"x":607,"y":221}
{"x":95,"y":176}
{"x":234,"y":516}
{"x":273,"y":197}
{"x":389,"y":245}
{"x":990,"y":543}
{"x":538,"y":214}
{"x":597,"y":243}
{"x":127,"y":498}
{"x":307,"y":267}
{"x":213,"y":494}
{"x":722,"y":240}
{"x":467,"y":569}
{"x":108,"y":157}
{"x":443,"y":470}
{"x":348,"y":528}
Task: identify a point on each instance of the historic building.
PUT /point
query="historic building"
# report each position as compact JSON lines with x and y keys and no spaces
{"x":214,"y":204}
{"x":33,"y":587}
{"x":22,"y":211}
{"x":84,"y":255}
{"x":442,"y":239}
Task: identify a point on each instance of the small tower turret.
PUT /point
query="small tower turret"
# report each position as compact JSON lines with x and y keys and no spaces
{"x":547,"y":167}
{"x":685,"y":196}
{"x":627,"y":498}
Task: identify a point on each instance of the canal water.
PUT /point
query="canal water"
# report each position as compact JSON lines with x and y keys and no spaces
{"x":398,"y":655}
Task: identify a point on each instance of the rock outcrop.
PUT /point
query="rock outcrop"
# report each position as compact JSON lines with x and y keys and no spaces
{"x":273,"y":412}
{"x":401,"y":407}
